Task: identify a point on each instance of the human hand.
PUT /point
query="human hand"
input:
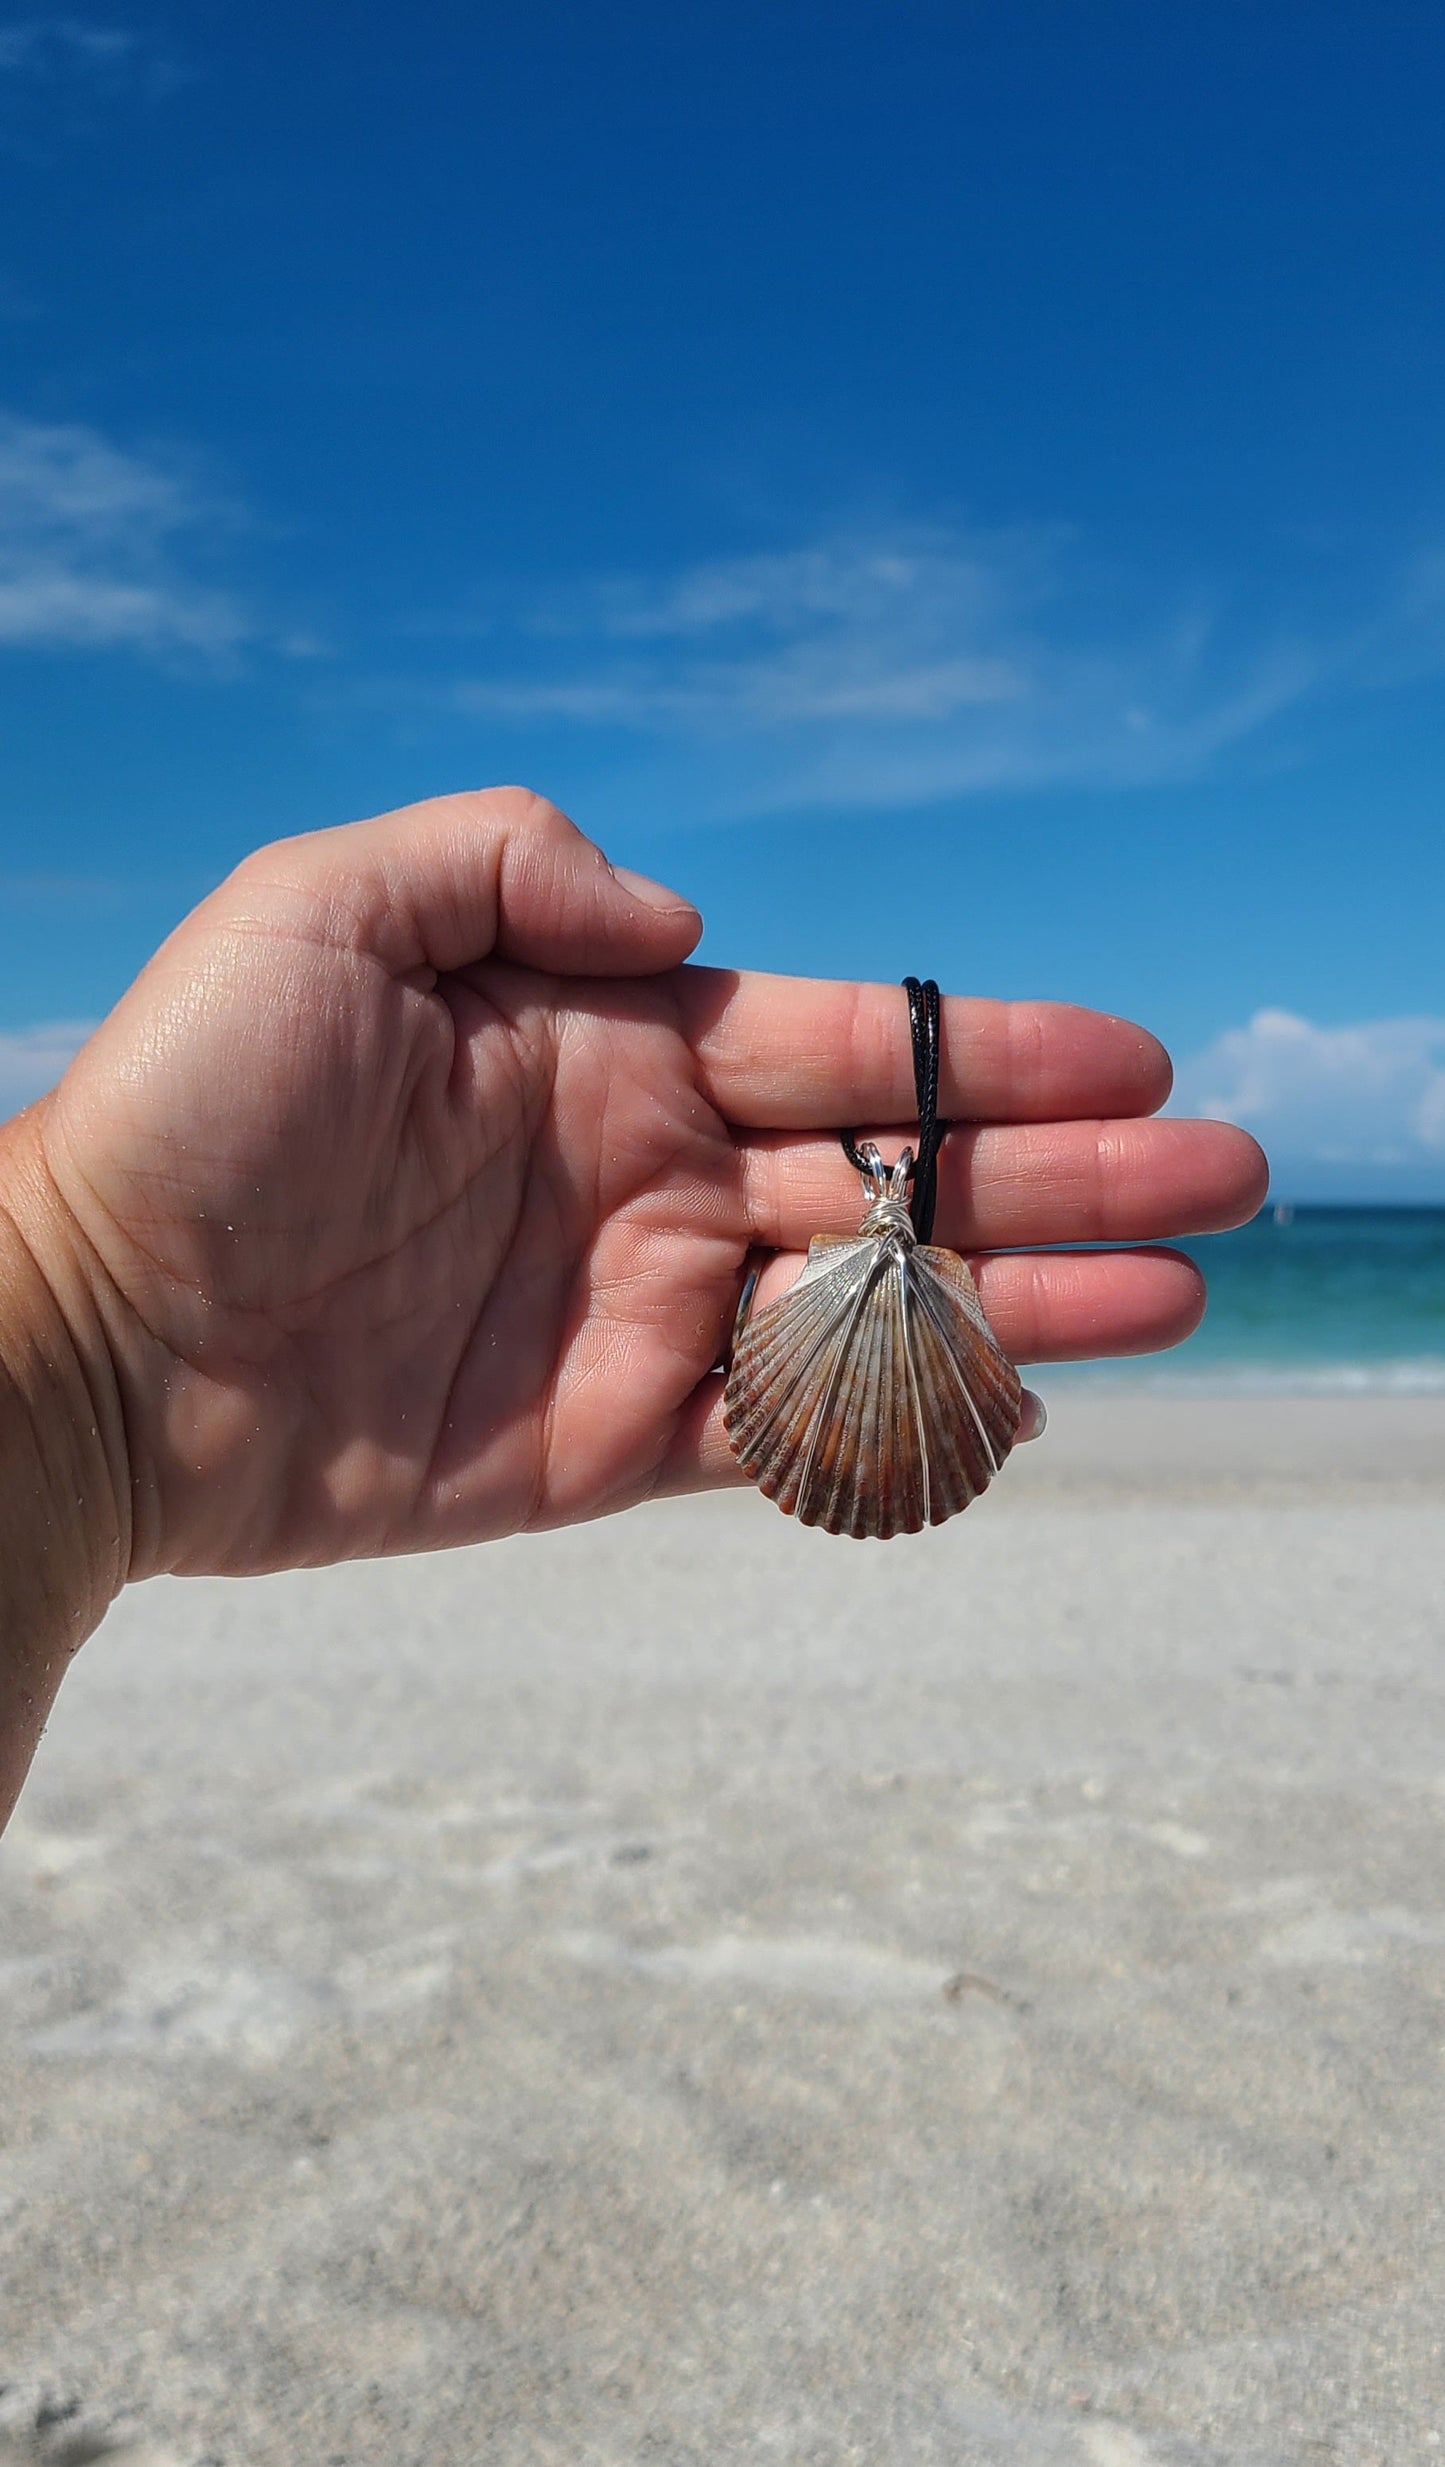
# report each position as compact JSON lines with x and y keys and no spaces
{"x":404,"y":1199}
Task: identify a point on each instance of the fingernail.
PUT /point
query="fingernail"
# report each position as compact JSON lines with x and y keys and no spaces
{"x":1034,"y":1420}
{"x":652,"y":894}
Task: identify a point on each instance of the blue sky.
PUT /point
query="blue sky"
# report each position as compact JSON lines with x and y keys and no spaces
{"x":953,"y":489}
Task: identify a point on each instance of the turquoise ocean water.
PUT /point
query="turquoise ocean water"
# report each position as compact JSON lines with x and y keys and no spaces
{"x":1310,"y":1300}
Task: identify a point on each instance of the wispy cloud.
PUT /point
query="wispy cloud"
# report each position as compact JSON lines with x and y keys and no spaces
{"x":45,"y":45}
{"x":902,"y":666}
{"x":56,"y":55}
{"x":95,"y":547}
{"x":1368,"y":1094}
{"x":32,"y":1059}
{"x":789,"y":692}
{"x":65,"y":894}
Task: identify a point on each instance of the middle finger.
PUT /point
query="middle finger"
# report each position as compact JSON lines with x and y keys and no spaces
{"x":1004,"y":1185}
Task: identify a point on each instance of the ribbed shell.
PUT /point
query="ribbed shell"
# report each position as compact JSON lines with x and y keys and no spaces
{"x":872,"y":1398}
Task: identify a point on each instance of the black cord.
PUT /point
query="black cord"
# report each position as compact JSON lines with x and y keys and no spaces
{"x":923,"y":1027}
{"x":924,"y":1008}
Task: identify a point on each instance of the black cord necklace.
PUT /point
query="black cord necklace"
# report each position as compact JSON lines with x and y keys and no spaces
{"x":923,"y":1027}
{"x":873,"y":1397}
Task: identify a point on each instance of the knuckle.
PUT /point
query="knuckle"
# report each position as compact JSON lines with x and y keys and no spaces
{"x":526,"y":811}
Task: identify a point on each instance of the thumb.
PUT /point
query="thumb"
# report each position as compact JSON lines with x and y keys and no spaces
{"x":500,"y":871}
{"x":561,"y":905}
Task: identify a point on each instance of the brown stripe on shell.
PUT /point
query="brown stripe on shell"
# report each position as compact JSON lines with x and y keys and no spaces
{"x":873,"y":1397}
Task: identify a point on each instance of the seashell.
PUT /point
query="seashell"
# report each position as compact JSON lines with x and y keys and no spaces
{"x":873,"y":1397}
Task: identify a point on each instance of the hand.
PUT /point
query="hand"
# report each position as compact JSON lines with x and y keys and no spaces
{"x":410,"y":1188}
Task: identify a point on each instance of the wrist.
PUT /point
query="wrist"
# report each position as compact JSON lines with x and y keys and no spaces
{"x":64,"y":1490}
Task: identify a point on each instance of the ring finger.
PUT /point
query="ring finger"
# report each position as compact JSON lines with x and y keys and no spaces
{"x":1050,"y":1306}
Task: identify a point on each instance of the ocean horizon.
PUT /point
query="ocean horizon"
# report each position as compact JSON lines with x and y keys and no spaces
{"x":1307,"y":1300}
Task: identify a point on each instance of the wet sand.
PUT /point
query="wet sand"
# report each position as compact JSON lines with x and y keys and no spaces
{"x":688,"y":1990}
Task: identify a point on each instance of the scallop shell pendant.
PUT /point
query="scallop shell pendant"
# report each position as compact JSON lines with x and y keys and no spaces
{"x":873,"y":1397}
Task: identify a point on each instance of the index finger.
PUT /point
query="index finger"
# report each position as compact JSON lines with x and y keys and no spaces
{"x":805,"y":1053}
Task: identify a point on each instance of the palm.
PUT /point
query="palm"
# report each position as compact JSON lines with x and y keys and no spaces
{"x":460,"y":1255}
{"x":399,"y":1253}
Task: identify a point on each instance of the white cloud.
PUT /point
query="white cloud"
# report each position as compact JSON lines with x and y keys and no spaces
{"x":94,"y":544}
{"x":897,"y":666}
{"x":1371,"y":1093}
{"x":32,"y":1059}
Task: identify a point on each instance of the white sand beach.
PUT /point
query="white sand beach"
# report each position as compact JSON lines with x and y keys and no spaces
{"x":689,"y":1990}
